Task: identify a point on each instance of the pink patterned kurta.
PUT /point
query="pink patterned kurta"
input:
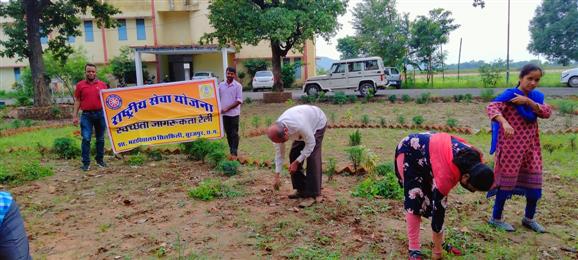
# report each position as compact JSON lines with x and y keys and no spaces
{"x":518,"y":159}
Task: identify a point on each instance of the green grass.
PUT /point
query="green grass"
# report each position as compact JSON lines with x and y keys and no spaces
{"x":550,"y":79}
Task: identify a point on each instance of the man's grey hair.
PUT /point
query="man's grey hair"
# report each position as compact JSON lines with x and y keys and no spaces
{"x":280,"y":130}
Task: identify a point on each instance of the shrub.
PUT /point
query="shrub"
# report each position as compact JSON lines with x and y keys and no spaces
{"x":331,"y":167}
{"x":268,"y":121}
{"x":288,"y":74}
{"x":365,"y":119}
{"x":23,"y":101}
{"x":16,"y":123}
{"x":228,"y":168}
{"x":248,"y":100}
{"x":487,"y":94}
{"x":566,"y":107}
{"x":405,"y":98}
{"x":384,"y":169}
{"x":387,"y":187}
{"x":198,"y":149}
{"x":458,"y":98}
{"x":155,"y":155}
{"x":418,"y":120}
{"x":66,"y":148}
{"x":468,"y":98}
{"x":216,"y":156}
{"x":382,"y":122}
{"x":424,"y":98}
{"x":339,"y":98}
{"x":210,"y":189}
{"x":31,"y":171}
{"x":401,"y":119}
{"x":56,"y":112}
{"x":255,"y":121}
{"x":491,"y":73}
{"x":136,"y":160}
{"x":452,"y":122}
{"x":392,"y":98}
{"x":356,"y":155}
{"x":355,"y":138}
{"x":352,"y":98}
{"x":28,"y":122}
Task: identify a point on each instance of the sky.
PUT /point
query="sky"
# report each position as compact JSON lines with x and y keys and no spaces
{"x":483,"y":31}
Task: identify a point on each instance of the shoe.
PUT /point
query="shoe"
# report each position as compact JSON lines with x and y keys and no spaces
{"x":101,"y":164}
{"x":85,"y":168}
{"x":296,"y":195}
{"x":533,"y":225}
{"x":501,"y":225}
{"x":308,"y":202}
{"x":415,"y":255}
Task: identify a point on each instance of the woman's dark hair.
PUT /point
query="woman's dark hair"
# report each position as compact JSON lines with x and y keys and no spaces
{"x":468,"y":161}
{"x":527,"y":69}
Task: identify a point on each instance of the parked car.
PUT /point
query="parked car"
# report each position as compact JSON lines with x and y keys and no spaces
{"x":365,"y":75}
{"x":393,"y":76}
{"x":203,"y":75}
{"x":570,"y":77}
{"x":263,"y":79}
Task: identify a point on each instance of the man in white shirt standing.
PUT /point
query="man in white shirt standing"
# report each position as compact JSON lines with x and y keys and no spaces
{"x":231,"y":95}
{"x":305,"y":125}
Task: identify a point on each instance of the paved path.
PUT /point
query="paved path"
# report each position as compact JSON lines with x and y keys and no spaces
{"x":297,"y":93}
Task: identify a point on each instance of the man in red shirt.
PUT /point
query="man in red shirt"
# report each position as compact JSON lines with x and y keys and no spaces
{"x":87,"y":99}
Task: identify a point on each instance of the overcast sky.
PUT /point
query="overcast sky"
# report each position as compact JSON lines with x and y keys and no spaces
{"x":484,"y":31}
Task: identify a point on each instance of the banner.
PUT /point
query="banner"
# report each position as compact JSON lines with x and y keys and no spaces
{"x":162,"y":113}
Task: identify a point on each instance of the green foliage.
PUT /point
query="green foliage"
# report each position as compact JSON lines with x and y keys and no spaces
{"x":383,"y":184}
{"x":405,"y":98}
{"x":32,"y":170}
{"x":352,"y":98}
{"x":331,"y":168}
{"x":210,"y":189}
{"x":468,"y":98}
{"x":313,"y":253}
{"x":285,"y":24}
{"x":567,"y":107}
{"x":288,"y":74}
{"x":339,"y":98}
{"x":136,"y":159}
{"x":216,"y":156}
{"x":355,"y":138}
{"x":23,"y":101}
{"x":452,"y":122}
{"x":357,"y":155}
{"x":66,"y":148}
{"x":350,"y":47}
{"x":16,"y":124}
{"x":122,"y":67}
{"x":365,"y":119}
{"x":254,"y":65}
{"x":487,"y":95}
{"x":5,"y":177}
{"x":392,"y":98}
{"x":256,"y":121}
{"x":550,"y":32}
{"x":418,"y":120}
{"x":200,"y":148}
{"x":424,"y":98}
{"x":401,"y":119}
{"x":228,"y":168}
{"x":248,"y":100}
{"x":458,"y":98}
{"x":268,"y":121}
{"x":155,"y":155}
{"x":491,"y":73}
{"x":382,"y":121}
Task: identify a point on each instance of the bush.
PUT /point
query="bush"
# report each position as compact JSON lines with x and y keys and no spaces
{"x":567,"y":107}
{"x":491,"y":73}
{"x":392,"y":98}
{"x":210,"y":189}
{"x":487,"y":94}
{"x":339,"y":98}
{"x":458,"y":98}
{"x":387,"y":187}
{"x":355,"y":138}
{"x":365,"y":119}
{"x":418,"y":120}
{"x":331,"y":168}
{"x":31,"y":171}
{"x":424,"y":98}
{"x":136,"y":160}
{"x":384,"y":169}
{"x":216,"y":156}
{"x":253,"y":66}
{"x":405,"y":98}
{"x":155,"y":155}
{"x":16,"y":123}
{"x":66,"y":148}
{"x":468,"y":98}
{"x":28,"y":122}
{"x":288,"y":75}
{"x":401,"y":119}
{"x":248,"y":100}
{"x":452,"y":122}
{"x":23,"y":101}
{"x":200,"y":148}
{"x":352,"y":98}
{"x":228,"y":168}
{"x":357,"y":155}
{"x":382,"y":122}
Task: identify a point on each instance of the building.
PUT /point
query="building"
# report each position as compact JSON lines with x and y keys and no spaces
{"x":166,"y":35}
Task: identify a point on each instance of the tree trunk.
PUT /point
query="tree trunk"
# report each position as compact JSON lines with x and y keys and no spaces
{"x":276,"y":62}
{"x":41,"y":91}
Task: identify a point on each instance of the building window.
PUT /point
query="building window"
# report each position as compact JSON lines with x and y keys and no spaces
{"x":297,"y":64}
{"x":88,"y":33}
{"x":141,"y":33}
{"x":122,"y":36}
{"x":71,"y":39}
{"x":17,"y":74}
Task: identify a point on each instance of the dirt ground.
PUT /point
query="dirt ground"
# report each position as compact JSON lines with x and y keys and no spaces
{"x":124,"y":212}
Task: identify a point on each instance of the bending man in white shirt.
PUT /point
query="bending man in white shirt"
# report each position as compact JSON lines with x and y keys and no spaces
{"x":305,"y":125}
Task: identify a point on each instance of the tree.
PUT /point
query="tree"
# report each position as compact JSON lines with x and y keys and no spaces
{"x":33,"y":19}
{"x":553,"y":31}
{"x":123,"y":68}
{"x":285,"y":24}
{"x":427,"y":34}
{"x":350,"y":47}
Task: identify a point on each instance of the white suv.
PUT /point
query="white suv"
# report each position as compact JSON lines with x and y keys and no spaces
{"x":570,"y":77}
{"x":365,"y":75}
